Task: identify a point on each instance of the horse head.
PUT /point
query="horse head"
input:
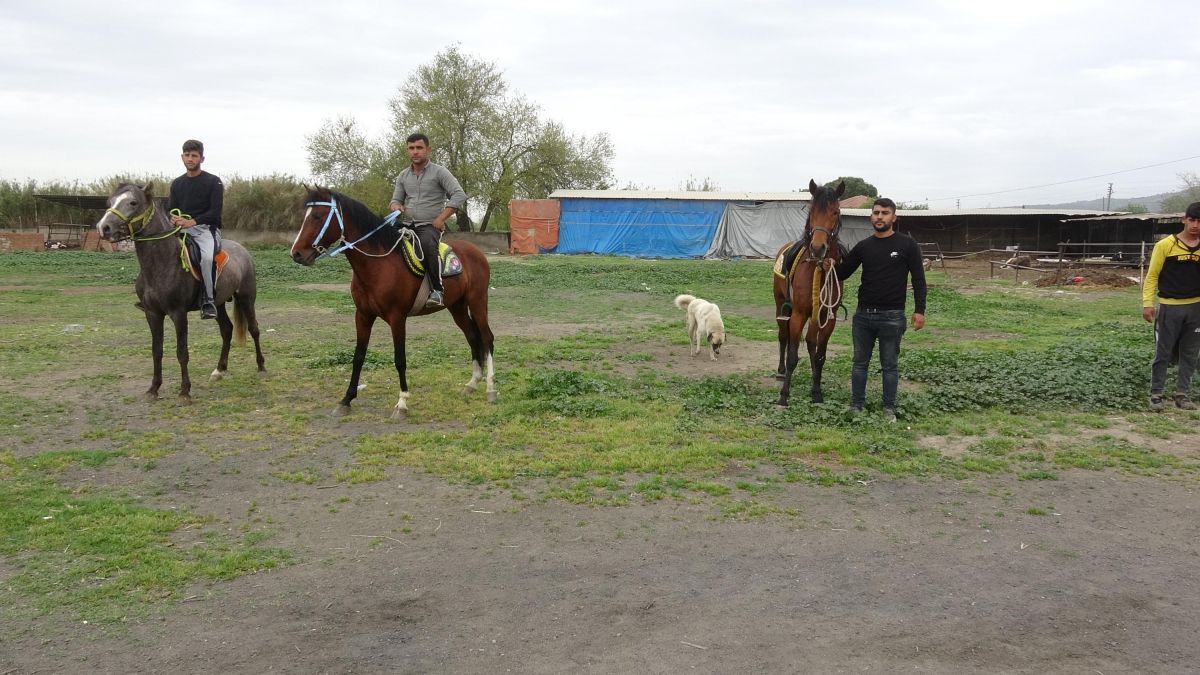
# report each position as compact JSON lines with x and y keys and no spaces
{"x":322,"y":227}
{"x":824,"y":218}
{"x":130,"y":210}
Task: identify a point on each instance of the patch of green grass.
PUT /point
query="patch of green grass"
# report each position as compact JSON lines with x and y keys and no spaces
{"x":101,"y":555}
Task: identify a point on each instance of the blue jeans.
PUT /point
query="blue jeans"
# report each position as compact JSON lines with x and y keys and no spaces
{"x":886,"y":327}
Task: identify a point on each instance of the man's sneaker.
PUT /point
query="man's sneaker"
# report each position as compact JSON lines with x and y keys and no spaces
{"x":434,"y":301}
{"x":1182,"y":401}
{"x":1156,"y":402}
{"x":889,"y":414}
{"x":208,"y":310}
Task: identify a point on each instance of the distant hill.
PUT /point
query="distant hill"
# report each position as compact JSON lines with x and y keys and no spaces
{"x":1153,"y":203}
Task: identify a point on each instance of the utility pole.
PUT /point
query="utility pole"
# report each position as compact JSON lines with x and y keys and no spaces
{"x":958,"y":204}
{"x":1108,"y":199}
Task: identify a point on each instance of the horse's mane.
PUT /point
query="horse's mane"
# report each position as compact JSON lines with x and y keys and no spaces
{"x":363,"y":218}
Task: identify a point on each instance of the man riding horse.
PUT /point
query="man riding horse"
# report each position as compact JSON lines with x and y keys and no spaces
{"x":427,"y":194}
{"x":195,"y":205}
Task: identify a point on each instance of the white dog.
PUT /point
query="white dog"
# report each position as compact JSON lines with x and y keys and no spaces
{"x":703,"y":322}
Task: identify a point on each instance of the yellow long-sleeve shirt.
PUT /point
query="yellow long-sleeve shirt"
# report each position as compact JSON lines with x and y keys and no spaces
{"x":1173,"y":277}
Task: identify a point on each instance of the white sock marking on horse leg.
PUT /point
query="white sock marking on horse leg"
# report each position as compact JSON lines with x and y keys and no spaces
{"x":476,"y":375}
{"x":217,"y":374}
{"x":402,"y":403}
{"x":491,"y":376}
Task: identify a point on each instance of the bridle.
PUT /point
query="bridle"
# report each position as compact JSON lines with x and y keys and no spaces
{"x":142,"y":218}
{"x":830,"y":234}
{"x":340,"y":245}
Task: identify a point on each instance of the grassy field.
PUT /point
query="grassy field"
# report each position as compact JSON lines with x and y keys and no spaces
{"x":1006,"y":379}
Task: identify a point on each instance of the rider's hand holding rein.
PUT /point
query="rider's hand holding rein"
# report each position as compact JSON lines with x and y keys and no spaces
{"x":185,"y":223}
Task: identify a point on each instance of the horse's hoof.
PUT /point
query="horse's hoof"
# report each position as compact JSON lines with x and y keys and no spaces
{"x":216,"y":376}
{"x":399,"y":414}
{"x":185,"y":399}
{"x":340,"y":411}
{"x":491,"y":397}
{"x":468,"y":389}
{"x":150,"y":396}
{"x":262,"y":373}
{"x":781,"y":406}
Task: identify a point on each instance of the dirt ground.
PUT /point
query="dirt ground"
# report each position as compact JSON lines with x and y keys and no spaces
{"x":889,"y":575}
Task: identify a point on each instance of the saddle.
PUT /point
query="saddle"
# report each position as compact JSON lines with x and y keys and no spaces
{"x":189,"y":255}
{"x":449,"y":261}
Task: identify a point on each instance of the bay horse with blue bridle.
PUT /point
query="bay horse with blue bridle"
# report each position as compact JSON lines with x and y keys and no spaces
{"x":807,"y":295}
{"x":385,"y":286}
{"x":165,"y":287}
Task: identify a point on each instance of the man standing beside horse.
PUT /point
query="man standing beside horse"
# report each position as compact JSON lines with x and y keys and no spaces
{"x":197,"y":198}
{"x":1173,"y":280}
{"x":887,"y":260}
{"x":427,"y":194}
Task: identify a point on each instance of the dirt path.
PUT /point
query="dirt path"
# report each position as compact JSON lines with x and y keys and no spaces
{"x":895,"y":576}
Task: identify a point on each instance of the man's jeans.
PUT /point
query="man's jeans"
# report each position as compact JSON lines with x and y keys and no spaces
{"x":203,"y":236}
{"x":428,"y":238}
{"x":1176,"y":327}
{"x":887,"y":327}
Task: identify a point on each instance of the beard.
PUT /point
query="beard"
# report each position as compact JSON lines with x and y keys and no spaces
{"x":881,"y":227}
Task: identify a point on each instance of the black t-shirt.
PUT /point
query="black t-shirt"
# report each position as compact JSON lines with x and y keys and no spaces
{"x":201,"y":197}
{"x":887,"y":262}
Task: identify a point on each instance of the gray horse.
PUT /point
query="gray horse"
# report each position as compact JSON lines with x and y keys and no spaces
{"x":164,"y":288}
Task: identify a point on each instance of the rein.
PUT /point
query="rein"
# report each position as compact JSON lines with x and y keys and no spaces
{"x":341,"y":245}
{"x":143,"y":218}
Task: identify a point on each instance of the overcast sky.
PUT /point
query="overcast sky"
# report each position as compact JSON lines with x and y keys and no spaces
{"x":926,"y":100}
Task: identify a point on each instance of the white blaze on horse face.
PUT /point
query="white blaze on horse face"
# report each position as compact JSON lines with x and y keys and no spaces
{"x":120,"y":198}
{"x":307,"y":213}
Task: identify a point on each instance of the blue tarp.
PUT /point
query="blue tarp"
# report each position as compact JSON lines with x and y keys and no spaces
{"x":662,"y":228}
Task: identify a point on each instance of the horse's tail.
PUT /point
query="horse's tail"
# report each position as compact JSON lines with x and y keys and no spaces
{"x":239,"y":323}
{"x":682,"y":301}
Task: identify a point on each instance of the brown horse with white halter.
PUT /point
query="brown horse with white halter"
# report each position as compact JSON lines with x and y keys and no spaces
{"x":384,"y":287}
{"x":811,"y":290}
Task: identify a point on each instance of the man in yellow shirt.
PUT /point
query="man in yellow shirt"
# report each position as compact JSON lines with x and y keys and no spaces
{"x":1173,"y":279}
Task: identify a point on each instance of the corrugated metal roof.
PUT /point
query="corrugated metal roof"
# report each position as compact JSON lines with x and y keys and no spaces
{"x":1157,"y":217}
{"x":942,"y":213}
{"x":697,"y":195}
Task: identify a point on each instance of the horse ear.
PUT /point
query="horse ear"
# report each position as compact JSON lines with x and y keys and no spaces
{"x":148,"y":188}
{"x":841,"y":189}
{"x":812,"y":185}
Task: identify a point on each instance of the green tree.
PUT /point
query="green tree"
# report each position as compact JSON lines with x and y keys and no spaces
{"x":1133,"y":207}
{"x":854,"y":186}
{"x":495,"y":142}
{"x":912,"y":206}
{"x":1189,"y":192}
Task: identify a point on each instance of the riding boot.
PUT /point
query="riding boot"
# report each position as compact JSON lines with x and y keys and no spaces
{"x":208,"y":309}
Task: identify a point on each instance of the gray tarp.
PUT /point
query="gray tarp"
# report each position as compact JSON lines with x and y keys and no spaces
{"x":759,"y":230}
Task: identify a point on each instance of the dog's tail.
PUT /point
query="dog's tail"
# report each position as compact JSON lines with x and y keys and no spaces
{"x":682,"y":301}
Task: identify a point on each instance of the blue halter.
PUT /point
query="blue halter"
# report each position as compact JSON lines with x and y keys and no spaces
{"x":341,"y":245}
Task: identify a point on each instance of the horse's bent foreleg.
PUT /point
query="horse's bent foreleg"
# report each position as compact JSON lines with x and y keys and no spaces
{"x":401,"y":410}
{"x":226,"y":326}
{"x":156,"y":352}
{"x":362,"y":328}
{"x":180,"y":320}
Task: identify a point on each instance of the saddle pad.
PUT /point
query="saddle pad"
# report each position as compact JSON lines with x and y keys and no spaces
{"x":189,"y":258}
{"x":451,"y":264}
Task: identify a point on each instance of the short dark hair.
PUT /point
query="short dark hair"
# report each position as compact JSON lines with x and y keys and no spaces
{"x":885,"y":203}
{"x":1193,"y":210}
{"x":193,"y":144}
{"x":413,"y":138}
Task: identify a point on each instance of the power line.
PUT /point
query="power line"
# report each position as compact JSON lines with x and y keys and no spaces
{"x":1064,"y":182}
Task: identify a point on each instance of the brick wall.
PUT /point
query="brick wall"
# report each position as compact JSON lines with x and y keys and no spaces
{"x":22,"y":241}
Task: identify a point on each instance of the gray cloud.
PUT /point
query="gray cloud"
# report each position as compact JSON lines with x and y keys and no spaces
{"x":924,"y":99}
